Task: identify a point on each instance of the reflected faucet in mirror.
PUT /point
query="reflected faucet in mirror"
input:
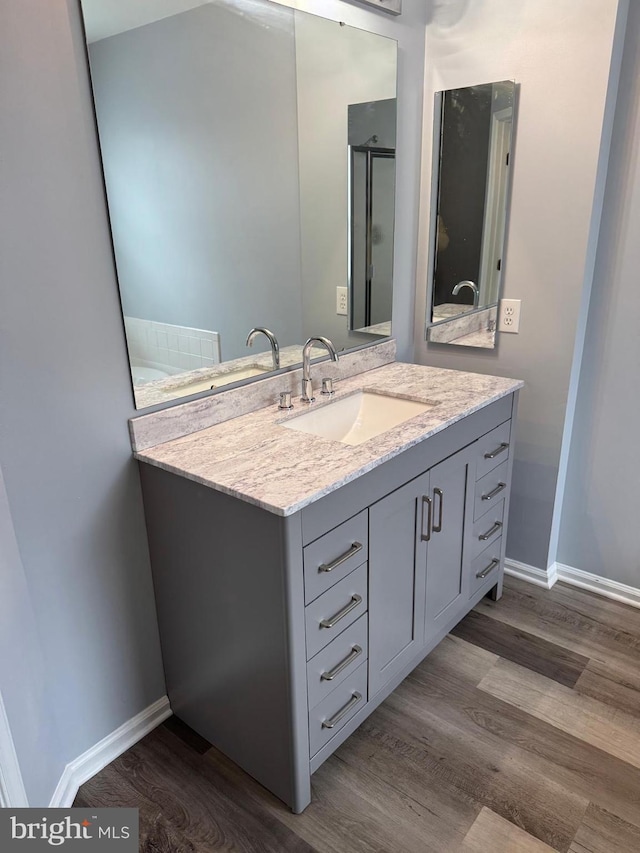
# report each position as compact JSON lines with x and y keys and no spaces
{"x":273,"y":341}
{"x":307,"y":385}
{"x":476,"y":293}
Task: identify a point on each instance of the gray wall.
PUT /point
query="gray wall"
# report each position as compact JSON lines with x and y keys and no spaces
{"x":65,"y":397}
{"x":200,"y":148}
{"x":560,"y":54}
{"x":24,"y":681}
{"x":65,"y":392}
{"x":599,"y":532}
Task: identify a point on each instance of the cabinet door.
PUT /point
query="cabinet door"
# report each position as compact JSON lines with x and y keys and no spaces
{"x":397,"y":569}
{"x":452,"y":496}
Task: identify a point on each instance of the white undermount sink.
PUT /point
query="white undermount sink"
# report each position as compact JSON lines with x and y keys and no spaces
{"x":358,"y":417}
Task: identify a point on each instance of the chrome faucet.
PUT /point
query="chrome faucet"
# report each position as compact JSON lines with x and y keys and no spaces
{"x":275,"y":349}
{"x":474,"y":287}
{"x":307,"y":386}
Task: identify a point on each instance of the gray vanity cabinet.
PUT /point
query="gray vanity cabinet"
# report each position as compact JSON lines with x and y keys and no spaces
{"x":281,"y":634}
{"x":447,"y":559}
{"x":417,"y":567}
{"x":397,"y":575}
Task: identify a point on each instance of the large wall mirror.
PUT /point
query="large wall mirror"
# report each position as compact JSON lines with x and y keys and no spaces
{"x":471,"y":191}
{"x":249,"y":161}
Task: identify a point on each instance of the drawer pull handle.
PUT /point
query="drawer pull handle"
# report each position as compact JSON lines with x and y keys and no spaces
{"x":425,"y":537}
{"x":438,"y":493}
{"x":355,"y":652}
{"x":333,"y":722}
{"x":494,"y":492}
{"x":489,"y":568}
{"x":329,"y":567}
{"x":483,"y":537}
{"x":497,"y":451}
{"x":333,"y":620}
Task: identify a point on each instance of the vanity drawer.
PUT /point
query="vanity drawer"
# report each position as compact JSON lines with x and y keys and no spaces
{"x":327,"y":718}
{"x":337,"y":661}
{"x":335,"y":610}
{"x":492,"y":487}
{"x":485,"y":569}
{"x":334,"y":555}
{"x":493,"y":449}
{"x":487,"y":528}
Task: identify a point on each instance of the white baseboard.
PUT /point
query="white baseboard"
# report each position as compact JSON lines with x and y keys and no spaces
{"x":595,"y":583}
{"x":109,"y":748}
{"x":531,"y":574}
{"x":574,"y":577}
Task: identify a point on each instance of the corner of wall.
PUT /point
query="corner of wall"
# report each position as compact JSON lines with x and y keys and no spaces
{"x":594,"y":231}
{"x":82,"y":768}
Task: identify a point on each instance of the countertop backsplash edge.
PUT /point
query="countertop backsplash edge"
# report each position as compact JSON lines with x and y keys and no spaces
{"x":148,"y":430}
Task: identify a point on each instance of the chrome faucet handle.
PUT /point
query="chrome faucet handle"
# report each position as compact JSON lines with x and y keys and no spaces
{"x":285,"y":400}
{"x":327,"y":387}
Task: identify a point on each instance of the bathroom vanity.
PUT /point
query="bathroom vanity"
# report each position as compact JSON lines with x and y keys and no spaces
{"x":303,"y":564}
{"x":299,"y":579}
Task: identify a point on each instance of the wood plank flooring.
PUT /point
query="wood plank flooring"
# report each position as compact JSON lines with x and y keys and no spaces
{"x":520,"y":733}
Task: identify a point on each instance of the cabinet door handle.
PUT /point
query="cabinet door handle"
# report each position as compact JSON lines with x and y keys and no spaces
{"x":489,"y":568}
{"x":330,"y":724}
{"x":355,"y":652}
{"x":437,"y":528}
{"x":494,"y":492}
{"x":426,"y":501}
{"x":329,"y":567}
{"x":497,"y":451}
{"x":333,"y":620}
{"x":484,"y":536}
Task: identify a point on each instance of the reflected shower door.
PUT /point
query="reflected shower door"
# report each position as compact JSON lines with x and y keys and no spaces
{"x":371,"y":235}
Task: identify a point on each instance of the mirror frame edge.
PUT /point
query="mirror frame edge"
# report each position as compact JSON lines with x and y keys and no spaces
{"x":434,"y":199}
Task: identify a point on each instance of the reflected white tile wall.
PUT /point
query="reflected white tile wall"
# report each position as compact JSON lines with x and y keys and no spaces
{"x":171,"y":348}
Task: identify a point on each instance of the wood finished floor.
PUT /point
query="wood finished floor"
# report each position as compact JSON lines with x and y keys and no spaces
{"x":520,"y":733}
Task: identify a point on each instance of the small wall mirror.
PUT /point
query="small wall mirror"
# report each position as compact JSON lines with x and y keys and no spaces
{"x":471,"y":191}
{"x":248,"y":152}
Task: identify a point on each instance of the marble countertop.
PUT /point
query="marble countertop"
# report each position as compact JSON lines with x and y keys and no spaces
{"x":252,"y":457}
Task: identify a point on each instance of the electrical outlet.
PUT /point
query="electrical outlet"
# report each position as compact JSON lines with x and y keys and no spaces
{"x":509,"y":316}
{"x":341,"y":301}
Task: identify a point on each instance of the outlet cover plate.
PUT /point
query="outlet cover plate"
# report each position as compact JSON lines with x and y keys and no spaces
{"x":509,"y":316}
{"x":341,"y":301}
